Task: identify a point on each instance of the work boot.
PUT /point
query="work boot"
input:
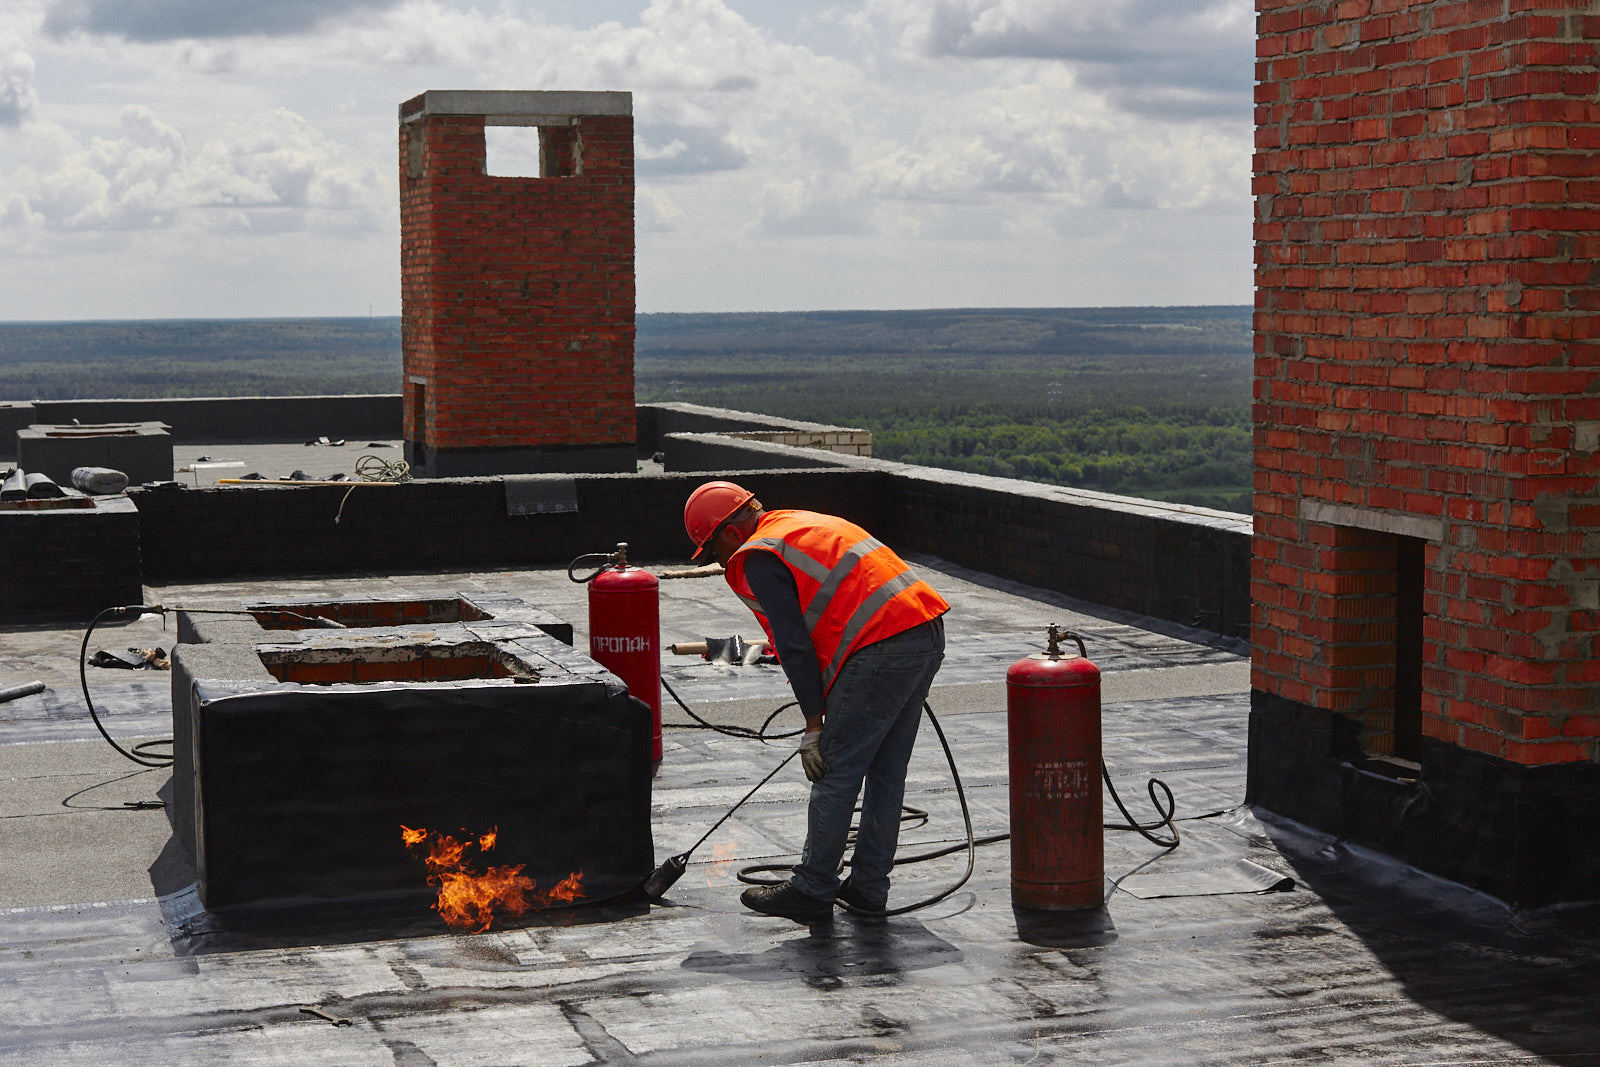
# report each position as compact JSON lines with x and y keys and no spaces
{"x":849,"y":895}
{"x":787,"y":901}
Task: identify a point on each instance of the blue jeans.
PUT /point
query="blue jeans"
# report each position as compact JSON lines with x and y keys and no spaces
{"x":873,"y":711}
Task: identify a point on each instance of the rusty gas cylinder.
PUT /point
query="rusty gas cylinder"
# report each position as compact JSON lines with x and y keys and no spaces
{"x":1053,"y":735}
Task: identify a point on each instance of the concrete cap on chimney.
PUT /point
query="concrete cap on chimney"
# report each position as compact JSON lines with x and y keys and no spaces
{"x":516,"y":107}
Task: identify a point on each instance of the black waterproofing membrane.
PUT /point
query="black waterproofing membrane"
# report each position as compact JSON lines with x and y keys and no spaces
{"x":540,"y":495}
{"x":301,"y":791}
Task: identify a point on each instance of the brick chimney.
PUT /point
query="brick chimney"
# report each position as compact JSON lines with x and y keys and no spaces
{"x":517,"y":292}
{"x":1426,"y":665}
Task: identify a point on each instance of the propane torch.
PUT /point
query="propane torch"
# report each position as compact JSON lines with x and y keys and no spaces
{"x":656,"y":886}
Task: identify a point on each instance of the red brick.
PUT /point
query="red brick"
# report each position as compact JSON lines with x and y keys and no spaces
{"x":1538,"y":753}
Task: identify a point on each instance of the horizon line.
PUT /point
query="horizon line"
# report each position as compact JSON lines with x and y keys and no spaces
{"x":993,"y":309}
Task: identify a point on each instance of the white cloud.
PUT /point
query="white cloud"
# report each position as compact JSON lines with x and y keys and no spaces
{"x":655,"y":212}
{"x":1011,"y":143}
{"x":1163,"y":58}
{"x":712,"y":92}
{"x":676,"y":149}
{"x":18,"y":98}
{"x":916,"y":143}
{"x":276,"y":161}
{"x":809,"y":209}
{"x":274,"y":172}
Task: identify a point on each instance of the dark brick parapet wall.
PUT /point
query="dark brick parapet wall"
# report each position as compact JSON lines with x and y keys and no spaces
{"x":1183,"y":564}
{"x":207,"y":534}
{"x":1186,"y":565}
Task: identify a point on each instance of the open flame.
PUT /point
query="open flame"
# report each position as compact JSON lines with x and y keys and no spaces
{"x":723,"y":854}
{"x":469,"y":900}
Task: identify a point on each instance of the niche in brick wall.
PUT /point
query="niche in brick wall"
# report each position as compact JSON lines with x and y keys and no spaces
{"x":531,"y":152}
{"x":1374,"y":646}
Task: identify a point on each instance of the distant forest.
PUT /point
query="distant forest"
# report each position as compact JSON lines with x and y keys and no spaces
{"x":198,"y":357}
{"x":1150,"y":402}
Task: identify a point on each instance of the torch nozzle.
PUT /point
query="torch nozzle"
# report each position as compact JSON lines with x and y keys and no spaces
{"x":656,"y":886}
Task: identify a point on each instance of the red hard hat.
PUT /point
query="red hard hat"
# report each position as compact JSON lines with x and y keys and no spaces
{"x":710,"y":506}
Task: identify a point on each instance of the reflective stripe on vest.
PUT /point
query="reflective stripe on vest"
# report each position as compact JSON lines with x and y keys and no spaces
{"x":839,"y":572}
{"x":863,"y":615}
{"x":830,"y":579}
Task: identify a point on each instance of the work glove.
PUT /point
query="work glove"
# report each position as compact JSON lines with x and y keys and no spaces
{"x":811,"y":755}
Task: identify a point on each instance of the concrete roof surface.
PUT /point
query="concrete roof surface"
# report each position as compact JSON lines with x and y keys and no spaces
{"x":106,"y":958}
{"x":313,"y":458}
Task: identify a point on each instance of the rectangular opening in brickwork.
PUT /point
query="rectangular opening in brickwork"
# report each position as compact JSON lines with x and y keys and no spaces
{"x":1374,"y":646}
{"x":1410,"y":582}
{"x":531,"y":151}
{"x":355,"y":614}
{"x":416,"y":663}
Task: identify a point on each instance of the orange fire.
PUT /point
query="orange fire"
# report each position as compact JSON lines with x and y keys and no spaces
{"x":469,"y":900}
{"x":722,"y":856}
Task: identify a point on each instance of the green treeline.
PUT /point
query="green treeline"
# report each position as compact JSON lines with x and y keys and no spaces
{"x":1201,"y":459}
{"x":1148,"y":402}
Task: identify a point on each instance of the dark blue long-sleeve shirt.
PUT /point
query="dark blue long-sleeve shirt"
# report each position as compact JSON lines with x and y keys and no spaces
{"x":775,"y":587}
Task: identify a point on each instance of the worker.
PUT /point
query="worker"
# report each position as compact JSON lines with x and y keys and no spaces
{"x":859,"y":637}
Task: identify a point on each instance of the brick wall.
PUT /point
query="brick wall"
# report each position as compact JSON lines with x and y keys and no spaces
{"x":1427,"y":376}
{"x":844,"y":442}
{"x":517,"y":292}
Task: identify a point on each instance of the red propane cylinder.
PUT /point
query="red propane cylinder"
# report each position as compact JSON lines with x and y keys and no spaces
{"x":625,"y":632}
{"x":1053,"y":729}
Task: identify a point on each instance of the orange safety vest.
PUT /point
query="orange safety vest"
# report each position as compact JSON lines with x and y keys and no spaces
{"x":853,"y":589}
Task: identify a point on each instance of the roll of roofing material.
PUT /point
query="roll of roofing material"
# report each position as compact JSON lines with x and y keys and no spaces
{"x":42,"y":487}
{"x":99,"y":481}
{"x":15,"y":486}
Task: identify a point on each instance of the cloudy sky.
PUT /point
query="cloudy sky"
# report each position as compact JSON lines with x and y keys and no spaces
{"x":219,"y":158}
